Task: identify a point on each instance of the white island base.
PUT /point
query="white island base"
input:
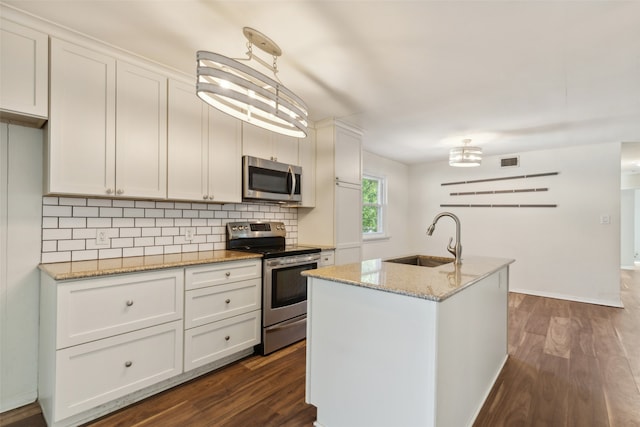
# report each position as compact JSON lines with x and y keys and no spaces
{"x":378,"y":358}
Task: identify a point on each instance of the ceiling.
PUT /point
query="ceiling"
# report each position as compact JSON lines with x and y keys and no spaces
{"x":417,"y":76}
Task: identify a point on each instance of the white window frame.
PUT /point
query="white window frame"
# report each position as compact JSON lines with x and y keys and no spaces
{"x":382,"y":207}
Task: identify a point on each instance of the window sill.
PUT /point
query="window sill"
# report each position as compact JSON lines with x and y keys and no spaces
{"x":374,"y":237}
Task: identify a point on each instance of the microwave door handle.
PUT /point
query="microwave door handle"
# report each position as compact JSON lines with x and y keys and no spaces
{"x":293,"y":181}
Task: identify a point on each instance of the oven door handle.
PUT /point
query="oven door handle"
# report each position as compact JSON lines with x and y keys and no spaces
{"x":293,"y":181}
{"x":287,"y":324}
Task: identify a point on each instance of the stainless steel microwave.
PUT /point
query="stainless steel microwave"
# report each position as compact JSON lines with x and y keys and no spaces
{"x":267,"y":180}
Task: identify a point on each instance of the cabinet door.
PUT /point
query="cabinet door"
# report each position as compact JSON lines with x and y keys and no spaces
{"x":307,"y":160}
{"x":141,"y":133}
{"x":225,"y":158}
{"x":348,"y":156}
{"x":257,"y":142}
{"x":81,"y":146}
{"x":187,"y":144}
{"x":348,"y":217}
{"x":285,"y":149}
{"x":23,"y":70}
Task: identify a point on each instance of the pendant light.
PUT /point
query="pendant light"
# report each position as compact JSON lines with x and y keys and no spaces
{"x":465,"y":156}
{"x":246,"y":94}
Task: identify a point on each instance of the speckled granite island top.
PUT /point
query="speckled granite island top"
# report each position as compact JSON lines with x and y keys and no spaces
{"x":432,"y":283}
{"x":103,"y":267}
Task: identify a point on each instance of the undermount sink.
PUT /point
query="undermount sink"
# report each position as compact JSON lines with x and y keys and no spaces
{"x":422,"y":260}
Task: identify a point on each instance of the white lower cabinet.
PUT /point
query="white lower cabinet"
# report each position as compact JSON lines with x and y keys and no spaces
{"x":222,"y":310}
{"x":99,"y":371}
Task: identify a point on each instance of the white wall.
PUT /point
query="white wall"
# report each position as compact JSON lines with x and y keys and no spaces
{"x":637,"y":226}
{"x":397,"y":178}
{"x":20,"y":207}
{"x":561,"y":252}
{"x":627,"y":227}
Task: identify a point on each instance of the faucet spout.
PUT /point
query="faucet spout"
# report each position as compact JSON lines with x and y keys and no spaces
{"x":456,"y":249}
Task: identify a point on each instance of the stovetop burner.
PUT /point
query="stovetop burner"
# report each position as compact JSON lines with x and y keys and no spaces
{"x":263,"y":237}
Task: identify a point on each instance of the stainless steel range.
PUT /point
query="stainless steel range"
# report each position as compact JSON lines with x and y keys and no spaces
{"x":284,"y":289}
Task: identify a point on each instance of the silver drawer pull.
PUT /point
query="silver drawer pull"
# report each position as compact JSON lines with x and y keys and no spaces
{"x":227,"y":338}
{"x":129,"y":303}
{"x":228,"y":273}
{"x":128,"y":363}
{"x":227,"y":300}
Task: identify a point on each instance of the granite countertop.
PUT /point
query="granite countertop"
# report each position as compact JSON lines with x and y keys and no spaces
{"x":432,"y":283}
{"x":103,"y":267}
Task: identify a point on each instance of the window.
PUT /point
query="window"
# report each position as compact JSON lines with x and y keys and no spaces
{"x":373,"y":206}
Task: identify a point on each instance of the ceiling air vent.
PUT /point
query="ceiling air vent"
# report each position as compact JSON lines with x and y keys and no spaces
{"x":510,"y":162}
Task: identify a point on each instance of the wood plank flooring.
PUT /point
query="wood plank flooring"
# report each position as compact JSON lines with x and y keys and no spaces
{"x":571,"y":364}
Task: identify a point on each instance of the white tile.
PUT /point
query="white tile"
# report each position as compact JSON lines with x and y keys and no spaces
{"x":205,"y":247}
{"x":151,"y":231}
{"x":203,"y":230}
{"x":133,"y":212}
{"x":229,"y":207}
{"x":258,"y":215}
{"x":182,"y":206}
{"x":170,"y":231}
{"x":132,"y":252}
{"x":182,"y":222}
{"x":199,"y":239}
{"x":49,"y":222}
{"x":122,"y":242}
{"x":50,"y":246}
{"x":219,"y":246}
{"x":221,"y":214}
{"x":243,"y":207}
{"x":246,"y":215}
{"x":47,"y":200}
{"x":205,"y":214}
{"x":154,"y":250}
{"x":154,"y":213}
{"x":56,"y":257}
{"x":48,"y":210}
{"x":161,"y":241}
{"x":72,"y":201}
{"x":199,"y":206}
{"x":189,"y":214}
{"x":173,"y":213}
{"x":189,"y":248}
{"x":72,"y":222}
{"x":164,"y":205}
{"x":56,"y":234}
{"x":199,"y":222}
{"x":130,"y":232}
{"x":180,"y":240}
{"x":264,"y":208}
{"x":99,"y":202}
{"x":164,"y":222}
{"x":84,"y":233}
{"x":214,"y":207}
{"x":84,"y":255}
{"x":214,"y":222}
{"x":253,"y":208}
{"x":123,"y":222}
{"x":109,"y":253}
{"x":173,"y":249}
{"x":144,"y":241}
{"x":119,"y":203}
{"x":236,"y":215}
{"x":111,"y":212}
{"x":99,"y":222}
{"x":83,"y":211}
{"x":214,"y":238}
{"x":145,"y":222}
{"x":145,"y":204}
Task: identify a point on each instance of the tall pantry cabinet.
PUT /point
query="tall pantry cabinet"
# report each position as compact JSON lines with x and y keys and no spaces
{"x":336,"y":220}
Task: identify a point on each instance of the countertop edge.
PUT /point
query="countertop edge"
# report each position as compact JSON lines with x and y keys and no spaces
{"x":72,"y":270}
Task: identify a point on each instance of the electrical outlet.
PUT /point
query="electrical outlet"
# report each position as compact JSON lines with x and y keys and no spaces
{"x":189,"y":232}
{"x":102,"y":237}
{"x":605,"y":219}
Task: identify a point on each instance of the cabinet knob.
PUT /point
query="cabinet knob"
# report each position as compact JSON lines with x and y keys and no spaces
{"x":205,"y":197}
{"x":228,"y":273}
{"x":211,"y":197}
{"x":227,"y":338}
{"x":129,"y":303}
{"x":227,"y":301}
{"x":119,"y":191}
{"x":128,"y":363}
{"x":109,"y":191}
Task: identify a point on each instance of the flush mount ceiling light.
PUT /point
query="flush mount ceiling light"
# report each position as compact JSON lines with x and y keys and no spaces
{"x":465,"y":156}
{"x":246,"y":94}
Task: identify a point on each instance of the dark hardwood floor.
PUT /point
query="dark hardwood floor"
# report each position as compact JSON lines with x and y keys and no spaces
{"x":570,"y":364}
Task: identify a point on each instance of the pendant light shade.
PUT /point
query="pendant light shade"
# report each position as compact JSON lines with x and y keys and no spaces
{"x":246,"y":94}
{"x":465,"y":156}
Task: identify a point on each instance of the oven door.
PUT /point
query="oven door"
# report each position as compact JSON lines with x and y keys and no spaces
{"x":285,"y":288}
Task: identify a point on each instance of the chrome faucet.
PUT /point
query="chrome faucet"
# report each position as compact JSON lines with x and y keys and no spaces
{"x":455,"y":250}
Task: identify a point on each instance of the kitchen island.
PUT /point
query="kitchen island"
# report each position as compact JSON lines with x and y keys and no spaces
{"x":402,"y":345}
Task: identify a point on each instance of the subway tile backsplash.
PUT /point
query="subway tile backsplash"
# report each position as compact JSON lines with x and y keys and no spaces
{"x":70,"y":226}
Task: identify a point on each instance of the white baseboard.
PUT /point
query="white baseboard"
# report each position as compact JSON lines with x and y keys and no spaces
{"x":617,"y":304}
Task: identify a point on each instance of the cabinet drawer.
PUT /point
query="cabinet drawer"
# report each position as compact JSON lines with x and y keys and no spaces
{"x":98,"y":308}
{"x":94,"y":373}
{"x":208,"y":343}
{"x":326,"y":258}
{"x":213,"y":303}
{"x":220,"y":273}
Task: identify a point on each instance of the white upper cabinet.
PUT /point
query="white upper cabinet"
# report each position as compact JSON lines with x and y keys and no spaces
{"x":105,"y":139}
{"x":348,"y":156}
{"x":204,"y":149}
{"x":262,"y":143}
{"x":24,"y":59}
